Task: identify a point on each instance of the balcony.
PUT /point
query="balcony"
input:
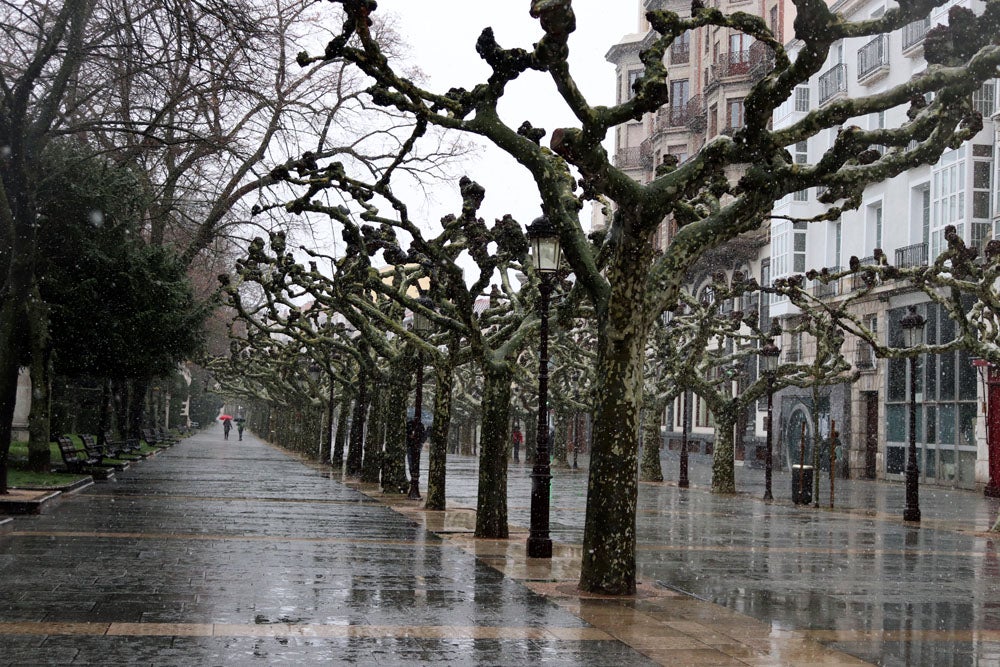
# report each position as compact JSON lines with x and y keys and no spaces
{"x":864,"y":358}
{"x":697,"y":115}
{"x":680,"y":56}
{"x":735,"y":63}
{"x":761,"y":60}
{"x":873,"y":60}
{"x":634,"y":157}
{"x":911,"y":255}
{"x":822,"y":290}
{"x":913,"y":36}
{"x":833,"y":84}
{"x":860,"y":280}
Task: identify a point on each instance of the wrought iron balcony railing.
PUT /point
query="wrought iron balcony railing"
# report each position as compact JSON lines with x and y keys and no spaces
{"x":914,"y":33}
{"x":832,"y":82}
{"x":911,"y":255}
{"x":873,"y":58}
{"x":864,"y":358}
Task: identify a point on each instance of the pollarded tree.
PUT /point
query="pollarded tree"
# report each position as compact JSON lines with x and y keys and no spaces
{"x":628,"y":284}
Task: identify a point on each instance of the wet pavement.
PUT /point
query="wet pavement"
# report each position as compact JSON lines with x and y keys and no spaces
{"x":856,"y":578}
{"x":233,"y":553}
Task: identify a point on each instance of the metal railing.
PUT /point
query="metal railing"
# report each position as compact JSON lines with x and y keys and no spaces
{"x":911,"y":255}
{"x":734,"y":63}
{"x":913,"y":33}
{"x":633,"y":157}
{"x":873,"y":57}
{"x":697,"y":115}
{"x":864,"y":358}
{"x":679,"y":56}
{"x":831,"y":82}
{"x":858,"y":282}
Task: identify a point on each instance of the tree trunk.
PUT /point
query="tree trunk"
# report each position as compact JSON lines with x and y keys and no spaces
{"x":437,"y":458}
{"x":491,"y":506}
{"x":651,"y":469}
{"x":372,"y":466}
{"x":559,"y":441}
{"x":355,"y":447}
{"x":41,"y":384}
{"x":608,"y":564}
{"x":326,"y":443}
{"x":136,"y":404}
{"x":343,"y":419}
{"x":723,"y":467}
{"x":394,"y":479}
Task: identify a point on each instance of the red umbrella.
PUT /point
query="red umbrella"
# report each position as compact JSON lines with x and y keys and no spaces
{"x":225,"y":417}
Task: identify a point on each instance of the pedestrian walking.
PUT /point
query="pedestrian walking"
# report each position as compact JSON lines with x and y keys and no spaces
{"x":227,"y":426}
{"x":239,"y":429}
{"x":518,"y":439}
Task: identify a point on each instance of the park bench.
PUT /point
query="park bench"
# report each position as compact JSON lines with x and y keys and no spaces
{"x":149,"y":435}
{"x":129,"y":447}
{"x":107,"y":453}
{"x":163,"y":435}
{"x":77,"y":461}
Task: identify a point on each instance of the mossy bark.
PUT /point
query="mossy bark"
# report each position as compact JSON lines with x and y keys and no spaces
{"x":651,"y":468}
{"x":723,"y":467}
{"x":437,"y":458}
{"x":559,"y":441}
{"x":372,"y":465}
{"x":41,"y":385}
{"x":394,"y":479}
{"x":491,"y":506}
{"x":608,"y":564}
{"x":356,"y":443}
{"x":343,"y":421}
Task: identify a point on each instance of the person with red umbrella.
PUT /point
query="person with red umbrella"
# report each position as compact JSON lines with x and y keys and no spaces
{"x":227,"y":426}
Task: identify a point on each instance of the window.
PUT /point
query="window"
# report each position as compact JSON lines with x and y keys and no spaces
{"x":983,"y":99}
{"x":788,"y":248}
{"x":633,"y":76}
{"x":679,"y":151}
{"x":925,"y":214}
{"x":734,"y":117}
{"x":802,"y":98}
{"x":680,"y":50}
{"x":982,"y":175}
{"x":773,"y":23}
{"x":947,"y":198}
{"x":838,"y":237}
{"x":679,"y":97}
{"x":873,"y":228}
{"x":713,"y":121}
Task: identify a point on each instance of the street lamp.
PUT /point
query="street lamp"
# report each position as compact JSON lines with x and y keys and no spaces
{"x":913,"y":336}
{"x":415,"y":428}
{"x":769,"y":354}
{"x":314,"y":371}
{"x":544,"y":238}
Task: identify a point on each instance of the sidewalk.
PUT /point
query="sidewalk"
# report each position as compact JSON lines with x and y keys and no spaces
{"x":232,"y":552}
{"x":857,"y":578}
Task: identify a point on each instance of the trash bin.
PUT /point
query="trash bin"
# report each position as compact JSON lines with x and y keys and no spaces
{"x":802,"y":484}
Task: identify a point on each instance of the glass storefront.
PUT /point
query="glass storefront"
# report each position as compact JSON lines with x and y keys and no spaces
{"x":946,"y":405}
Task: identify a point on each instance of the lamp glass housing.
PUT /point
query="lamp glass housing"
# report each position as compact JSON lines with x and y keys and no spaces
{"x":913,"y":328}
{"x":769,"y":357}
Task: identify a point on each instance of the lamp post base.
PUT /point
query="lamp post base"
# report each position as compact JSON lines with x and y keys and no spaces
{"x":539,"y":547}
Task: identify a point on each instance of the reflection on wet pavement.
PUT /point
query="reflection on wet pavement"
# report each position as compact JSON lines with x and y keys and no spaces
{"x":857,"y":579}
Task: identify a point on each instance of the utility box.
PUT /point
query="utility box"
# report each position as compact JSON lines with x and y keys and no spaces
{"x":802,"y":484}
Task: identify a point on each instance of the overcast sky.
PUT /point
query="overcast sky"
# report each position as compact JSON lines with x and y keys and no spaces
{"x":442,"y":37}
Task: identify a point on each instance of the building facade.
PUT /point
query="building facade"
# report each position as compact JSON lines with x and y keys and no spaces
{"x":710,"y":73}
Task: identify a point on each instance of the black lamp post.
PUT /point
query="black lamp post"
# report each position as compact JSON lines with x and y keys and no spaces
{"x":683,"y":481}
{"x":913,"y":335}
{"x":415,"y":429}
{"x":544,"y":239}
{"x":769,"y":354}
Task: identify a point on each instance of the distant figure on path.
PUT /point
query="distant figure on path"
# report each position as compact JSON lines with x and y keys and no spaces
{"x":227,"y":426}
{"x":239,"y":428}
{"x":518,"y":439}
